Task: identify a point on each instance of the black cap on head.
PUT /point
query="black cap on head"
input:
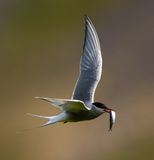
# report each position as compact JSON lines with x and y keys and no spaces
{"x":99,"y":105}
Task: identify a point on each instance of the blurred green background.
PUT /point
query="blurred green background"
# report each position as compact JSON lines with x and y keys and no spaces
{"x":40,"y":48}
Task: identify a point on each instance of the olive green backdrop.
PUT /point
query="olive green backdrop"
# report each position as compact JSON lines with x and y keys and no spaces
{"x":40,"y":48}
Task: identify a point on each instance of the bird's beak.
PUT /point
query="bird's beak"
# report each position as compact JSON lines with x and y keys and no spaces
{"x":112,"y":118}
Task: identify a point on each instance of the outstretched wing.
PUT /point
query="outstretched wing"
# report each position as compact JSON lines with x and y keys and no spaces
{"x":66,"y":104}
{"x":90,"y":65}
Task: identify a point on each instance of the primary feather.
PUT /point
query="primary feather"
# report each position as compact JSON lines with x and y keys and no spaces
{"x":90,"y":65}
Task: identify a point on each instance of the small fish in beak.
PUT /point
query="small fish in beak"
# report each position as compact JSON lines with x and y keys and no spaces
{"x":112,"y":115}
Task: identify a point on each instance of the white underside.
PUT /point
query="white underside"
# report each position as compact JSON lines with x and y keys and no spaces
{"x":65,"y":105}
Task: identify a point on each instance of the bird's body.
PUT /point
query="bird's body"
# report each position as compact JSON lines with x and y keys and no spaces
{"x":72,"y":111}
{"x":82,"y":106}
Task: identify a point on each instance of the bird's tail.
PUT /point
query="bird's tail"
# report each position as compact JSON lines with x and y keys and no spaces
{"x":62,"y":117}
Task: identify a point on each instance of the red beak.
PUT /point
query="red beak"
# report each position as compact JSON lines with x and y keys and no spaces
{"x":108,"y":110}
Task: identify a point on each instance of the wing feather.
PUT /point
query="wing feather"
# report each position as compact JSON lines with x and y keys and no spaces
{"x":66,"y":104}
{"x":90,"y":65}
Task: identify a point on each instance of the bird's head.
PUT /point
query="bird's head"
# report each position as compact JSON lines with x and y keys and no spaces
{"x":111,"y":112}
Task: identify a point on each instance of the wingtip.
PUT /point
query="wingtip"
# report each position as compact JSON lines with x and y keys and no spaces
{"x":87,"y":19}
{"x":42,"y":98}
{"x":37,"y":97}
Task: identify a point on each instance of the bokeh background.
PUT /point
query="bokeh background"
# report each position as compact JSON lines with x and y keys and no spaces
{"x":40,"y":48}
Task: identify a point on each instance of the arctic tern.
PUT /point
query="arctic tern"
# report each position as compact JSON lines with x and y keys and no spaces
{"x":81,"y":106}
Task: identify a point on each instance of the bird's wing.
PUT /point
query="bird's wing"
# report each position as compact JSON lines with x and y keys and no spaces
{"x":90,"y":65}
{"x":66,"y":104}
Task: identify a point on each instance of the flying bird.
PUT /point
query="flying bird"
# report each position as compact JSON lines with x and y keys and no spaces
{"x":81,"y":106}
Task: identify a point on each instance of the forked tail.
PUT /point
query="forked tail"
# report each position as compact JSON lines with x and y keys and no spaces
{"x":62,"y":117}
